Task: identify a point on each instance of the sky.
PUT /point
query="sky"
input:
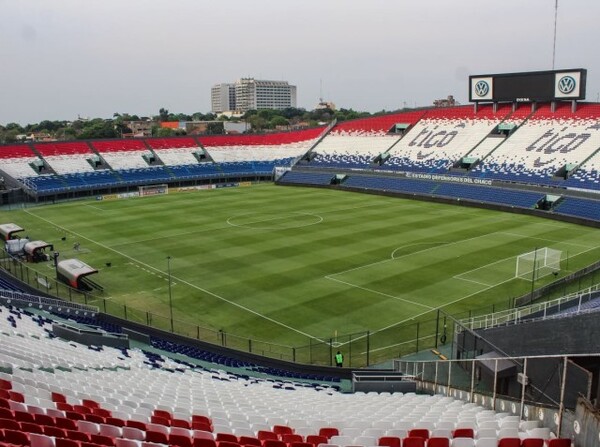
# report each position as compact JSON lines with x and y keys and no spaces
{"x":60,"y":59}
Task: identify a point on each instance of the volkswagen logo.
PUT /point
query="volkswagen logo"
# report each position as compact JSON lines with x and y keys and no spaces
{"x":482,"y":88}
{"x":566,"y":84}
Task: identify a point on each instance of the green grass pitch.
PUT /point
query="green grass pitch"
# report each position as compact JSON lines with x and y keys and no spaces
{"x":296,"y":266}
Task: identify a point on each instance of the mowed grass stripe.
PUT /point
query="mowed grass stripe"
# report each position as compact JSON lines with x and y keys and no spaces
{"x":279,"y":272}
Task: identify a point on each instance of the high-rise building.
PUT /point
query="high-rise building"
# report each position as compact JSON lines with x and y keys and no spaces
{"x":249,"y":93}
{"x":222,"y":98}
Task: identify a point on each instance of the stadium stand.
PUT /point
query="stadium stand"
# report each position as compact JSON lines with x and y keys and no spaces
{"x":357,"y":143}
{"x":66,"y":158}
{"x":441,"y":138}
{"x":17,"y":161}
{"x":174,"y":151}
{"x":545,"y":144}
{"x":60,"y":393}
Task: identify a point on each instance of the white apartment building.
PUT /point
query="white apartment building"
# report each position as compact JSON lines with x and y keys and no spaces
{"x":249,"y":93}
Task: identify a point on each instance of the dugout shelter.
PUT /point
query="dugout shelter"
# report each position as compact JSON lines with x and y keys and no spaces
{"x":75,"y":273}
{"x":9,"y":231}
{"x":35,"y":251}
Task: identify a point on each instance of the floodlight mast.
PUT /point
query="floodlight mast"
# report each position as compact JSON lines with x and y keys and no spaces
{"x":554,"y":43}
{"x":170,"y":293}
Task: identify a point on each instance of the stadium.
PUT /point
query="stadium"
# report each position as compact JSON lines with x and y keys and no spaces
{"x":449,"y":254}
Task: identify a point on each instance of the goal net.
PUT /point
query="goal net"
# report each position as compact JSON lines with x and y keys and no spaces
{"x":538,"y":263}
{"x":153,"y":190}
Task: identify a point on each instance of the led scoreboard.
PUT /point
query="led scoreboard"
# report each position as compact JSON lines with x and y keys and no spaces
{"x":533,"y":86}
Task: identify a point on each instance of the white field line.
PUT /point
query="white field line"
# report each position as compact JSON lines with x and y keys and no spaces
{"x":208,"y":292}
{"x":444,"y":305}
{"x":376,"y":292}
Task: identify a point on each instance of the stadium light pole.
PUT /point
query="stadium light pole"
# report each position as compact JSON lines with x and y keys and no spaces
{"x":170,"y":293}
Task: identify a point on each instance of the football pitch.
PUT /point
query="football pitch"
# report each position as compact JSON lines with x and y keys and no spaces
{"x":300,"y":266}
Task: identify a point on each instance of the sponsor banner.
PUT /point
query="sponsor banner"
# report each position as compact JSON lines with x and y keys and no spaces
{"x":482,"y":89}
{"x":245,"y":184}
{"x":567,"y":84}
{"x":449,"y":178}
{"x":195,"y":188}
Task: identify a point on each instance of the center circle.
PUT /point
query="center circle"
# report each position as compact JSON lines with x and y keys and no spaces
{"x":274,"y":221}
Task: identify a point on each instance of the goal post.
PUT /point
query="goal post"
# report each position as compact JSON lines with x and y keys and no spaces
{"x":153,"y":190}
{"x":538,"y":263}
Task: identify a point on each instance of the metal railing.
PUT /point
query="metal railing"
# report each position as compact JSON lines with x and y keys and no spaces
{"x":507,"y":383}
{"x":531,"y":312}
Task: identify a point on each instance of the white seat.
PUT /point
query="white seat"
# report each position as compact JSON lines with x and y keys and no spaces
{"x":365,"y":440}
{"x":538,"y":432}
{"x":111,"y":430}
{"x":341,"y":440}
{"x":486,"y":433}
{"x":463,"y":442}
{"x":88,"y":427}
{"x":133,"y":433}
{"x":486,"y":442}
{"x":38,"y":440}
{"x":528,"y":425}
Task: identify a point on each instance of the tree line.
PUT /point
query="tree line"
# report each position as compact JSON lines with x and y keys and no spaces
{"x":117,"y":126}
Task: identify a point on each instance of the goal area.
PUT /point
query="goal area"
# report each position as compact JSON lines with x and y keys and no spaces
{"x":538,"y":263}
{"x":153,"y":190}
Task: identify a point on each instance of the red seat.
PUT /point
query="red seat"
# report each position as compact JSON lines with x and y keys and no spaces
{"x":81,"y":409}
{"x":204,"y":442}
{"x":390,"y":441}
{"x":135,"y":424}
{"x":7,"y":413}
{"x":76,"y":435}
{"x":5,"y":385}
{"x":65,"y":442}
{"x":273,"y":443}
{"x":418,"y":433}
{"x":532,"y":442}
{"x":89,"y":444}
{"x":162,"y":414}
{"x":328,"y":432}
{"x":201,"y":418}
{"x":4,"y":403}
{"x":43,"y":419}
{"x":10,"y":424}
{"x":94,"y":418}
{"x":282,"y":430}
{"x":114,"y":421}
{"x":68,"y":424}
{"x":160,"y":420}
{"x":300,"y":444}
{"x":101,"y":412}
{"x":463,"y":433}
{"x":509,"y":442}
{"x":74,"y":415}
{"x":64,"y":406}
{"x":226,"y":437}
{"x":58,"y":397}
{"x":317,"y":439}
{"x":16,"y":397}
{"x":559,"y":442}
{"x":180,"y":441}
{"x":23,"y":416}
{"x":249,"y":440}
{"x":157,"y":436}
{"x":90,"y":403}
{"x":413,"y":442}
{"x":103,"y":440}
{"x":264,"y":435}
{"x":54,"y":431}
{"x":291,"y":438}
{"x":181,"y":423}
{"x":31,"y":427}
{"x":16,"y":437}
{"x":227,"y":444}
{"x":438,"y":442}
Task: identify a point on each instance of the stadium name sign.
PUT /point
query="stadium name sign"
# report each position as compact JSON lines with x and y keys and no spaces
{"x":449,"y":178}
